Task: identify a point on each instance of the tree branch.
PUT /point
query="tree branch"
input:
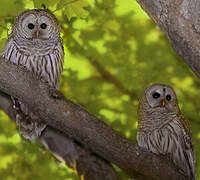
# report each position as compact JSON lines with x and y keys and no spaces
{"x":84,"y":162}
{"x":106,"y":75}
{"x":180,"y":21}
{"x":75,"y":122}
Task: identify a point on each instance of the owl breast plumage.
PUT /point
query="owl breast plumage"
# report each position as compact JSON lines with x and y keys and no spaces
{"x":35,"y":43}
{"x":46,"y":62}
{"x":163,"y":130}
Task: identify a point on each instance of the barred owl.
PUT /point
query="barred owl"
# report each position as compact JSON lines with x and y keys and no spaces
{"x":162,"y":129}
{"x":35,"y":43}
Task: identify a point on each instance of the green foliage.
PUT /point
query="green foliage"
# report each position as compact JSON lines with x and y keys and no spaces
{"x":113,"y":51}
{"x":74,"y":8}
{"x":14,"y":7}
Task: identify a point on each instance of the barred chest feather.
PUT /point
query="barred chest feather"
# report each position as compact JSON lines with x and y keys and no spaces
{"x":45,"y":63}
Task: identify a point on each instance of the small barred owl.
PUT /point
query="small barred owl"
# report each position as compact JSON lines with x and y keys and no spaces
{"x":163,"y":130}
{"x":35,"y":43}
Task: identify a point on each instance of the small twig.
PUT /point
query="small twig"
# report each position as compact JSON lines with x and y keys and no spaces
{"x":8,"y":16}
{"x":110,"y":78}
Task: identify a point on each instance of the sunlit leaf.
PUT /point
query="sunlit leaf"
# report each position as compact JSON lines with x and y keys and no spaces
{"x":44,"y":3}
{"x":74,"y":8}
{"x":10,"y":8}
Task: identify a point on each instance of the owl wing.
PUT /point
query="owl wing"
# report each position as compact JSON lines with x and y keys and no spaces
{"x":175,"y":138}
{"x":52,"y":66}
{"x":58,"y":54}
{"x":188,"y":148}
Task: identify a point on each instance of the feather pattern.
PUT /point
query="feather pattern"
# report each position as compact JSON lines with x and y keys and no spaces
{"x":164,"y":131}
{"x":42,"y":56}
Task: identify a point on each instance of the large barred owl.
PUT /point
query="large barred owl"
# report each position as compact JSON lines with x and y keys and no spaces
{"x":163,"y":130}
{"x":35,"y":43}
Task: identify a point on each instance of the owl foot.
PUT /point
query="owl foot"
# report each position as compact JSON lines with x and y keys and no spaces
{"x":19,"y":117}
{"x":27,"y":123}
{"x":29,"y":128}
{"x":33,"y":131}
{"x":27,"y":133}
{"x":39,"y":127}
{"x":44,"y":80}
{"x":15,"y":104}
{"x":55,"y":93}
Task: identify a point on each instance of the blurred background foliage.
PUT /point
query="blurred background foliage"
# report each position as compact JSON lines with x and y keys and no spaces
{"x":113,"y":51}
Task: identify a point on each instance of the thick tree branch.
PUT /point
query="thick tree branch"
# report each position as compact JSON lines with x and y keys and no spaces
{"x":6,"y":105}
{"x":81,"y":126}
{"x":179,"y":19}
{"x":84,"y":162}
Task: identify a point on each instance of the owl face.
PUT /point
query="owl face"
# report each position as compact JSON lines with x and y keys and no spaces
{"x":36,"y":24}
{"x":161,"y":96}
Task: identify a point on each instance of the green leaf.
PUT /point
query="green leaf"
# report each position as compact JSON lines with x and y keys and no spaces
{"x":11,"y":8}
{"x":74,"y":8}
{"x":46,"y":3}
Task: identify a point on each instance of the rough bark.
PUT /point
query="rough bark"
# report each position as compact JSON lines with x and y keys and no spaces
{"x":87,"y":164}
{"x":78,"y":124}
{"x":179,"y":19}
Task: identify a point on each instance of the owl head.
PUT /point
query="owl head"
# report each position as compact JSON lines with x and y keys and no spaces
{"x":160,"y":97}
{"x":39,"y":24}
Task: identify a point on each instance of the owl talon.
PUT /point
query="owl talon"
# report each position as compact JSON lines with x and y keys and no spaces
{"x":16,"y":107}
{"x":55,"y":93}
{"x":44,"y":80}
{"x":27,"y":134}
{"x":39,"y":127}
{"x":18,"y":119}
{"x":31,"y":131}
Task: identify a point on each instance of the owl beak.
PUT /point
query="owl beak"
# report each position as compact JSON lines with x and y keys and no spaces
{"x":163,"y":102}
{"x":37,"y":34}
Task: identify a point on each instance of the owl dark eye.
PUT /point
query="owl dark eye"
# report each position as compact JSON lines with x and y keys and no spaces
{"x":31,"y":26}
{"x":168,"y":97}
{"x":156,"y":95}
{"x":43,"y":26}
